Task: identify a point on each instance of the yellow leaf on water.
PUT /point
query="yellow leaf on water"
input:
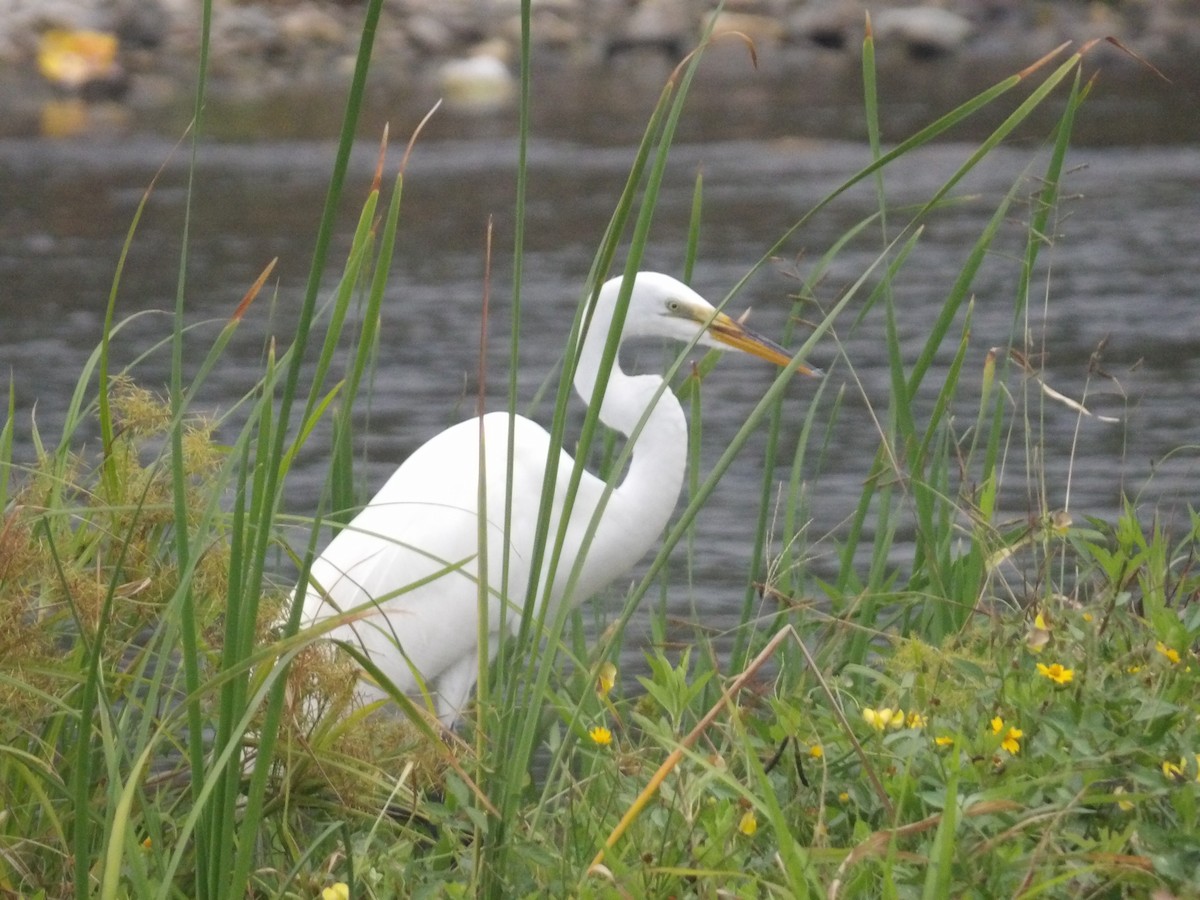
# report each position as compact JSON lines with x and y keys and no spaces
{"x":73,"y":58}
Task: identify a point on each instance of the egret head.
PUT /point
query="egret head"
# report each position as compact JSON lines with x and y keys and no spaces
{"x":664,"y":307}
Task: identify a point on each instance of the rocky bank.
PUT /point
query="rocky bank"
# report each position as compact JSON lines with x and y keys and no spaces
{"x":145,"y":50}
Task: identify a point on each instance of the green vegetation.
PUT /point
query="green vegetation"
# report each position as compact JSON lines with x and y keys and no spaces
{"x":1007,"y":710}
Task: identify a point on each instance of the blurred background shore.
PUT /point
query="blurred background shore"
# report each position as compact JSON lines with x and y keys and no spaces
{"x":130,"y":65}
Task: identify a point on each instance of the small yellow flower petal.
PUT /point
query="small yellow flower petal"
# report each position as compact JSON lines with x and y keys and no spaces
{"x":600,"y":736}
{"x":339,"y":891}
{"x":844,"y":797}
{"x":1087,"y":617}
{"x":1012,"y":742}
{"x":1133,"y":670}
{"x":916,"y":720}
{"x":816,"y":751}
{"x":1056,"y":673}
{"x":943,"y":740}
{"x":879,"y":719}
{"x":997,"y":725}
{"x":1174,"y":771}
{"x":749,"y":823}
{"x":1039,"y":621}
{"x":1169,"y":652}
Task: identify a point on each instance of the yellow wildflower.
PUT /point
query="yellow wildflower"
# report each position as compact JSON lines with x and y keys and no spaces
{"x":844,"y":797}
{"x":1133,"y":670}
{"x":749,"y":823}
{"x":943,"y":740}
{"x":1056,"y":673}
{"x":1169,"y":652}
{"x":1174,"y":771}
{"x":606,"y":679}
{"x":916,"y":720}
{"x":879,"y":719}
{"x":816,"y":751}
{"x":339,"y":891}
{"x":1012,"y":741}
{"x":600,"y":736}
{"x":1087,"y":617}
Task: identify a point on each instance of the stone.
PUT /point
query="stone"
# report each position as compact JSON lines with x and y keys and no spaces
{"x":831,"y":26}
{"x":663,"y":24}
{"x":759,"y":28}
{"x":309,"y":24}
{"x":926,"y":31}
{"x":480,"y":82}
{"x":430,"y":34}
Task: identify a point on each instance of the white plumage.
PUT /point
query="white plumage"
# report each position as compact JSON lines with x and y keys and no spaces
{"x":422,"y":527}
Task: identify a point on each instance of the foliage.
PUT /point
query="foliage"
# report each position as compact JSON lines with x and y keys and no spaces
{"x":1006,"y":702}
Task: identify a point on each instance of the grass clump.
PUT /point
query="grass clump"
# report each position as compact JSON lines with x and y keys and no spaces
{"x":85,"y":586}
{"x":75,"y":555}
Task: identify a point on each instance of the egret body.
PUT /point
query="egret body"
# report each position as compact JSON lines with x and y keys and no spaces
{"x":408,"y":562}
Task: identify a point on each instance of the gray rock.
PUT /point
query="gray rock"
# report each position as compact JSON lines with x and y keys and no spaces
{"x":554,"y":24}
{"x":430,"y":34}
{"x":242,"y":35}
{"x":666,"y":25}
{"x":310,"y":24}
{"x":480,"y":82}
{"x":22,"y":21}
{"x":832,"y":26}
{"x":926,"y":31}
{"x":143,"y":24}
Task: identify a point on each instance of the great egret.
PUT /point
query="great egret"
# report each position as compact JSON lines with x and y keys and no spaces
{"x":407,"y":562}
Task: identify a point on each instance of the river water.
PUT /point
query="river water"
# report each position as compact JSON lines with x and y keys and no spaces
{"x":1120,"y":269}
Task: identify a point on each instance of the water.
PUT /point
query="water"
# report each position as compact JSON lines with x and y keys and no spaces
{"x":1121,"y":270}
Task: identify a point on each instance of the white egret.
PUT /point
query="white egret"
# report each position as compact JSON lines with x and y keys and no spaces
{"x":424,"y":520}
